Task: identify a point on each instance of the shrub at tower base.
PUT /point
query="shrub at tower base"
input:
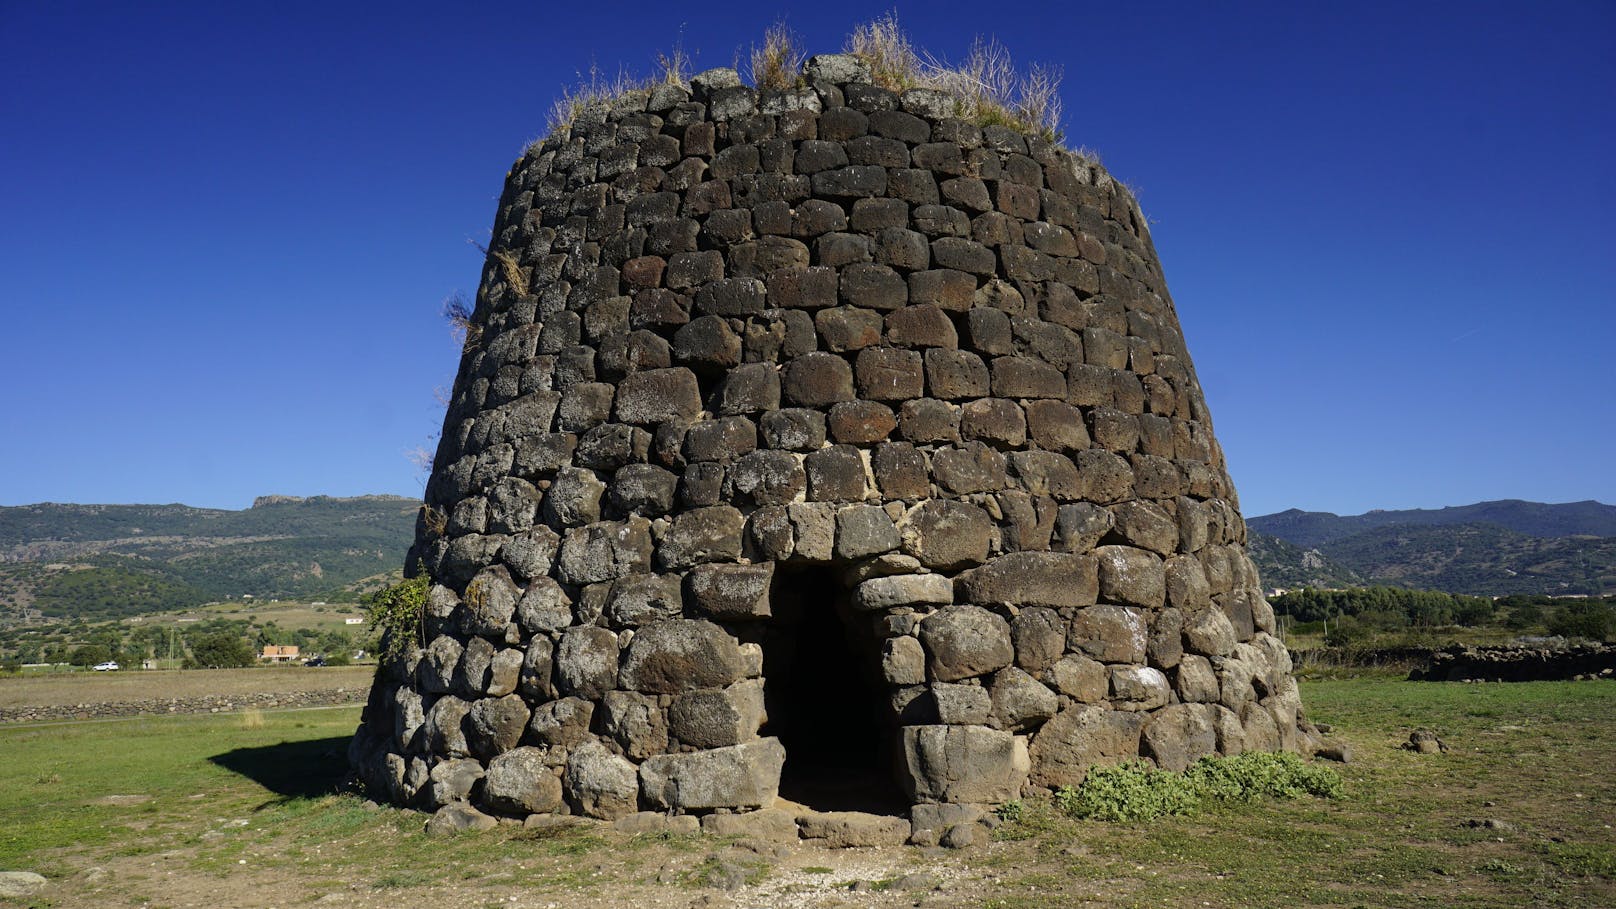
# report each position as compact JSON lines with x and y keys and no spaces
{"x":818,"y":442}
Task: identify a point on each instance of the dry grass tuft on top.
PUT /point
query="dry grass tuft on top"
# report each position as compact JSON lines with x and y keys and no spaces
{"x":882,"y":44}
{"x":992,"y":91}
{"x":778,"y":63}
{"x":990,"y":88}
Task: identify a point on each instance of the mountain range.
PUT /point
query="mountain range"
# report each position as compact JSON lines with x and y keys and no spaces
{"x":107,"y":561}
{"x":1489,"y":548}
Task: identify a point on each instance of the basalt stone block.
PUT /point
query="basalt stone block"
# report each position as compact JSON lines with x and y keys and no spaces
{"x":944,"y":534}
{"x":1039,"y":636}
{"x":600,"y":784}
{"x":835,"y":474}
{"x":904,"y":590}
{"x":965,"y":641}
{"x":749,"y":388}
{"x":489,"y":602}
{"x":889,"y":374}
{"x":767,"y":478}
{"x":900,"y":471}
{"x":1020,"y":701}
{"x":717,"y":717}
{"x":1054,"y":579}
{"x":972,"y":467}
{"x":962,"y":705}
{"x":573,"y":498}
{"x":493,"y":726}
{"x":928,"y":420}
{"x":963,"y":764}
{"x":1181,"y":734}
{"x":654,"y":395}
{"x":864,"y":530}
{"x":731,"y":592}
{"x":739,"y":776}
{"x":711,"y":534}
{"x":452,"y":781}
{"x":681,"y":655}
{"x":861,"y":422}
{"x":604,"y":551}
{"x":817,"y":380}
{"x":955,"y":374}
{"x":586,"y":662}
{"x":1081,"y":737}
{"x":520,"y":782}
{"x":722,"y":440}
{"x":642,"y":489}
{"x":640,"y":599}
{"x":793,"y":429}
{"x":995,"y":421}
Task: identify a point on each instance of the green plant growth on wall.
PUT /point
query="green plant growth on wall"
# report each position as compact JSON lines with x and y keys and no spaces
{"x":395,"y":614}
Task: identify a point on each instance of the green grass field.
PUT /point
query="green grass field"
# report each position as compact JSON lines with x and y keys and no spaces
{"x":240,"y":810}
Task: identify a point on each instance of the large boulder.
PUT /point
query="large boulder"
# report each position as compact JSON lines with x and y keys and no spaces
{"x":740,"y":776}
{"x":965,"y":641}
{"x":494,"y":725}
{"x":1181,"y":734}
{"x":1031,"y":579}
{"x":601,"y":784}
{"x":520,"y":782}
{"x":963,"y":764}
{"x":1081,"y":737}
{"x":586,"y":661}
{"x":717,"y":717}
{"x":681,"y":655}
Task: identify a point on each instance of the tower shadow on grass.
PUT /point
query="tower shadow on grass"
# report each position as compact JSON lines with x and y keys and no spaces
{"x":291,"y":770}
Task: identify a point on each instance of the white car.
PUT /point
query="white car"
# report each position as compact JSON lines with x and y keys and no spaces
{"x":108,"y":666}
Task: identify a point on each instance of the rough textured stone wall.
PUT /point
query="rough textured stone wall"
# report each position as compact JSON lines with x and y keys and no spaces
{"x":725,"y":333}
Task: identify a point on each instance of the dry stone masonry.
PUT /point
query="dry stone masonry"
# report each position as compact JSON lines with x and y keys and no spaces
{"x":818,"y":438}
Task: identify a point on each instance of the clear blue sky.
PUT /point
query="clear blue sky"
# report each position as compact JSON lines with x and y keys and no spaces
{"x":226,"y":229}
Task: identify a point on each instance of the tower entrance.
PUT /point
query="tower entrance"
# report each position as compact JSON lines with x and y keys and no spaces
{"x":825,"y":696}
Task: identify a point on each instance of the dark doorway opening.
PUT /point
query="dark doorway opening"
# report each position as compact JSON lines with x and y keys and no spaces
{"x":826,"y":699}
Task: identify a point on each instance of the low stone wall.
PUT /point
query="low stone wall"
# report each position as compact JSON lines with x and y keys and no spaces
{"x":1514,"y":663}
{"x":269,"y":700}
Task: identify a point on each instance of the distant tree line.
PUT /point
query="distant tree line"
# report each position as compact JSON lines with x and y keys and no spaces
{"x":1352,"y":615}
{"x":1391,"y":606}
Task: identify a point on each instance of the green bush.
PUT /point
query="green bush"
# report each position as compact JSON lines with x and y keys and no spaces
{"x":1585,"y":619}
{"x":1258,"y":774}
{"x":220,"y":650}
{"x":395,"y":612}
{"x":1136,"y":791}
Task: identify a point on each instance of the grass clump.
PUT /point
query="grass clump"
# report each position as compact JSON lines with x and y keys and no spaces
{"x":778,"y":63}
{"x":884,"y":47}
{"x":990,"y":88}
{"x":988,"y":85}
{"x":396,"y":612}
{"x":1136,"y":791}
{"x":462,"y":324}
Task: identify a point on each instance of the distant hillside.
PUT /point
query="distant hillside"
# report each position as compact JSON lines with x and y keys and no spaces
{"x":1284,"y":564}
{"x":1310,"y":529}
{"x":102,"y":561}
{"x":1488,"y":549}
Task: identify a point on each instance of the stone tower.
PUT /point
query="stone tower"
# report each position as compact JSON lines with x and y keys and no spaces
{"x":817,"y":442}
